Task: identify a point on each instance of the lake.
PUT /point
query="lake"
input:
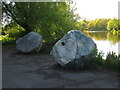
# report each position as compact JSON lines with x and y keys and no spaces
{"x":105,"y":41}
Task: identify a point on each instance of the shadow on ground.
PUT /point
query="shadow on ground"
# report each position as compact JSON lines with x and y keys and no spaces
{"x":38,"y":70}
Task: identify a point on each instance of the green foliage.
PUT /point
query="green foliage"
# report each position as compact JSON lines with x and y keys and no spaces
{"x":82,"y":25}
{"x":51,"y":19}
{"x":100,"y":24}
{"x":13,"y":30}
{"x":91,"y":25}
{"x":113,"y":24}
{"x":97,"y":24}
{"x":112,"y":61}
{"x":98,"y":61}
{"x":7,"y":40}
{"x":115,"y":32}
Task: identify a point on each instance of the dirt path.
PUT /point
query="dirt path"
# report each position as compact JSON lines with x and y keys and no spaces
{"x":37,"y":70}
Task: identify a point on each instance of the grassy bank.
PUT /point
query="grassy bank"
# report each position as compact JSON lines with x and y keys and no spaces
{"x":112,"y":61}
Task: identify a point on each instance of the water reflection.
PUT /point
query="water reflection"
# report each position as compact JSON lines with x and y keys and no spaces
{"x":106,"y":42}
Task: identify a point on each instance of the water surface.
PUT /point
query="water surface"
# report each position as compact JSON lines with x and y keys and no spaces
{"x":106,"y":41}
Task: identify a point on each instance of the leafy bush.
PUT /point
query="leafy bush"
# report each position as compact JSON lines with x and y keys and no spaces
{"x":112,"y":61}
{"x":7,"y":40}
{"x":98,"y":61}
{"x":113,"y":24}
{"x":13,"y":30}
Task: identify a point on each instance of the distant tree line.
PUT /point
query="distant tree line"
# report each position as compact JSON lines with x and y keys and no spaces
{"x":113,"y":24}
{"x":100,"y":24}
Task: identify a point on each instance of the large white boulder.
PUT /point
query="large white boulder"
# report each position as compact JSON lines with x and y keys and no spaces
{"x":75,"y":49}
{"x":29,"y":43}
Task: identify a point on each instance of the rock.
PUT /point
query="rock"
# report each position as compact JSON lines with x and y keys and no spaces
{"x":29,"y":43}
{"x":74,"y":50}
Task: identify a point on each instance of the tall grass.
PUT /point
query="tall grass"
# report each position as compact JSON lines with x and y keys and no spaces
{"x":112,"y":61}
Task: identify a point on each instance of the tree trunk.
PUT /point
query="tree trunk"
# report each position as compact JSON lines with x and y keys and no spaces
{"x":27,"y":28}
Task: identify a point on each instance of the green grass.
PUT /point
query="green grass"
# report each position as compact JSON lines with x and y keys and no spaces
{"x":111,"y":62}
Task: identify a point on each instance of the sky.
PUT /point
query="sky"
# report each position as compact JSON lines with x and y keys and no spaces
{"x":92,"y":9}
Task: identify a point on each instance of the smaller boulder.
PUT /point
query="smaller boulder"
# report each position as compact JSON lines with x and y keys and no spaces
{"x":29,"y":43}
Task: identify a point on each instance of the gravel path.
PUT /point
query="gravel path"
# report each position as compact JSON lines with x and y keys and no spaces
{"x":37,"y":70}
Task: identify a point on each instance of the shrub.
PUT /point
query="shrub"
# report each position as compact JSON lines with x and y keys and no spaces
{"x":7,"y":40}
{"x":98,"y":61}
{"x":13,"y":30}
{"x":111,"y":62}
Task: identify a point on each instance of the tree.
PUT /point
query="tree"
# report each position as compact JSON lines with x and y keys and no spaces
{"x":100,"y":24}
{"x":97,"y":24}
{"x":91,"y":24}
{"x":103,"y":23}
{"x":113,"y":24}
{"x":51,"y":19}
{"x":83,"y":24}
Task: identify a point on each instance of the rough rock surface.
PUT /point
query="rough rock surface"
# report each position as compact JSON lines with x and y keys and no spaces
{"x":30,"y":42}
{"x":74,"y":50}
